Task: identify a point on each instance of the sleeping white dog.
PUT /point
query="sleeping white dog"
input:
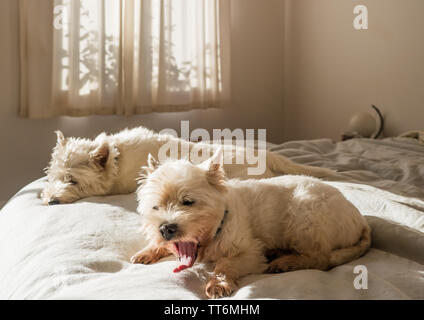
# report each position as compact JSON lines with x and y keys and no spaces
{"x":110,"y":164}
{"x":195,"y":213}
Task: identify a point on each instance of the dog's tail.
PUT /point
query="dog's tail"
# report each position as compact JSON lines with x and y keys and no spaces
{"x":344,"y":255}
{"x":282,"y":165}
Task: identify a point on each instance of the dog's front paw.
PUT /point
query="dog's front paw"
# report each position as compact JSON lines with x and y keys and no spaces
{"x":219,"y":288}
{"x":144,"y":258}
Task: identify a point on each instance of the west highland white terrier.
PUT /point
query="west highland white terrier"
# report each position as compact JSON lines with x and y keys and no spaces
{"x":195,"y":213}
{"x":110,"y":164}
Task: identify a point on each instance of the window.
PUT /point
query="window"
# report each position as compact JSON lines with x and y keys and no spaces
{"x":131,"y":56}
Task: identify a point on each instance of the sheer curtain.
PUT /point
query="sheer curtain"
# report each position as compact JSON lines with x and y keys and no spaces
{"x":123,"y":56}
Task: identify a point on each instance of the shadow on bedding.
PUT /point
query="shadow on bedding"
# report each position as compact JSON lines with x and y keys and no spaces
{"x":397,"y":239}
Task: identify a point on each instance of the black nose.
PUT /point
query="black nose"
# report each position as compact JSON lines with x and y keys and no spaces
{"x":53,"y":202}
{"x":168,"y":230}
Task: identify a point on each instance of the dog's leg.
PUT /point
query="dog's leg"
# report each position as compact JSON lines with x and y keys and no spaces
{"x":293,"y":262}
{"x":228,"y":270}
{"x":150,"y":254}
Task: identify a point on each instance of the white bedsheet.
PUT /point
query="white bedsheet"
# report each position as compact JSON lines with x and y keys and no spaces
{"x":82,"y":250}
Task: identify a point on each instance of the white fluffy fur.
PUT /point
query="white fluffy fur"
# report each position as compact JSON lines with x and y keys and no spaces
{"x":307,"y":222}
{"x":110,"y":164}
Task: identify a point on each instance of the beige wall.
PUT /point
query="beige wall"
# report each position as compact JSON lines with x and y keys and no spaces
{"x":335,"y":70}
{"x":299,"y":68}
{"x":257,"y":48}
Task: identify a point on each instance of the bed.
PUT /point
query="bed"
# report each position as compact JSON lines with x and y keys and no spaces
{"x":82,"y":250}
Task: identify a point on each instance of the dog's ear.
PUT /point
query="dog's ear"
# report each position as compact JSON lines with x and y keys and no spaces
{"x":100,"y":155}
{"x":215,"y":170}
{"x":101,"y":137}
{"x":61,"y":140}
{"x":152,"y":163}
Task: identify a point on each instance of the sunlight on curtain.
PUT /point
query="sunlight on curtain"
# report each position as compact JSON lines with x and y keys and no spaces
{"x":86,"y":54}
{"x":130,"y":56}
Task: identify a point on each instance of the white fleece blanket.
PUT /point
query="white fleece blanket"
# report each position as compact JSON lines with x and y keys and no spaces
{"x":82,"y":250}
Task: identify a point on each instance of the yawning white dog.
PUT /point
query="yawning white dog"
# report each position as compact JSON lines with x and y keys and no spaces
{"x":195,"y":213}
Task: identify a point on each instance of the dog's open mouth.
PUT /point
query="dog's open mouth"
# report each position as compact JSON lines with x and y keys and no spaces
{"x":187,"y":254}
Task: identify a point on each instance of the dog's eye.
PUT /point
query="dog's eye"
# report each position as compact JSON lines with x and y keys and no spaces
{"x":187,"y":202}
{"x":73,"y":181}
{"x":155,"y":208}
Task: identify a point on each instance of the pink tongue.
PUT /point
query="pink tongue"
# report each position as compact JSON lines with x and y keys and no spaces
{"x":187,"y":255}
